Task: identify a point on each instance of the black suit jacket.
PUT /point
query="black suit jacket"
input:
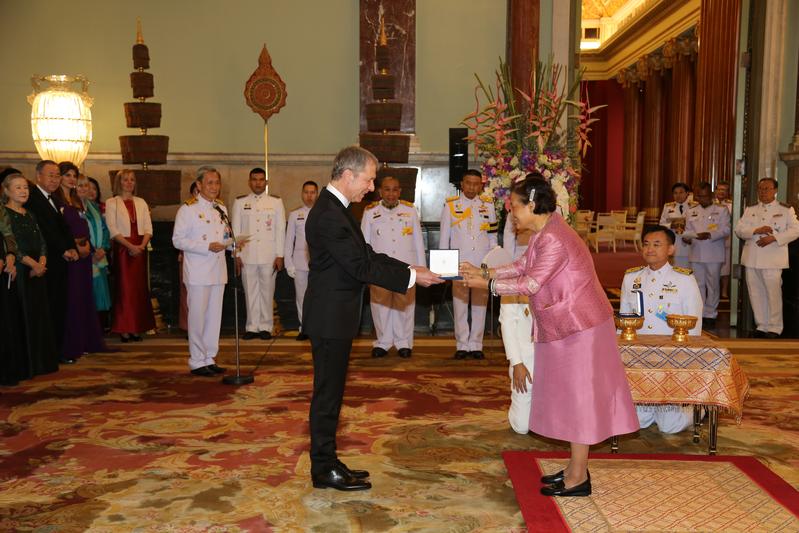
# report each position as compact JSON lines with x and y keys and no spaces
{"x":54,"y":228}
{"x":341,"y":263}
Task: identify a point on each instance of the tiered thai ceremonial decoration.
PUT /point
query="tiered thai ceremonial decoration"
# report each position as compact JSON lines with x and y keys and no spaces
{"x":158,"y":187}
{"x":383,"y":122}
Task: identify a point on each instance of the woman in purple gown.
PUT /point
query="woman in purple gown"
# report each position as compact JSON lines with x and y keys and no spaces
{"x":580,"y":391}
{"x":82,"y":332}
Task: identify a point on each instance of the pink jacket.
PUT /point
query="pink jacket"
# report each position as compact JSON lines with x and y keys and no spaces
{"x":557,"y":273}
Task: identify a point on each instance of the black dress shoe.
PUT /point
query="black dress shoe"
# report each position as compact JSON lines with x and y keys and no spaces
{"x":337,"y":478}
{"x":124,"y":338}
{"x":378,"y":352}
{"x":204,"y":371}
{"x":477,"y":354}
{"x":461,"y":354}
{"x":559,"y":489}
{"x":357,"y":474}
{"x":67,"y":361}
{"x":552,"y":478}
{"x":265,"y":335}
{"x":709,"y":322}
{"x":217,"y":369}
{"x":249,"y":335}
{"x":404,"y":352}
{"x":757,"y":334}
{"x":135,"y":338}
{"x":302,"y":337}
{"x":772,"y":335}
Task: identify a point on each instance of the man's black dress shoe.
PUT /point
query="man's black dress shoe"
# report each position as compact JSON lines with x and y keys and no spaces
{"x":216,"y":369}
{"x":337,"y":478}
{"x":772,"y":335}
{"x":552,"y":478}
{"x":135,"y":338}
{"x":709,"y":322}
{"x":357,"y":474}
{"x":124,"y":338}
{"x":249,"y":335}
{"x":477,"y":354}
{"x":302,"y":336}
{"x":378,"y":352}
{"x":204,"y":371}
{"x":265,"y":335}
{"x":404,"y":352}
{"x":757,"y":334}
{"x":67,"y":361}
{"x":461,"y":354}
{"x":559,"y":489}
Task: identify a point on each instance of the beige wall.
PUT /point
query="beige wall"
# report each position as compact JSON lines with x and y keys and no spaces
{"x":203,"y":51}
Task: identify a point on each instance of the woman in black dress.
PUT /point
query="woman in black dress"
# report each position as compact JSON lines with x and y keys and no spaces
{"x":13,"y":356}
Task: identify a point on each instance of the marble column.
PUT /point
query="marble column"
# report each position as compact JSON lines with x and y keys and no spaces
{"x":633,"y":141}
{"x":717,"y":68}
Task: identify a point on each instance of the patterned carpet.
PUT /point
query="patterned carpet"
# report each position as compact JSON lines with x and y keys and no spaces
{"x":130,"y":441}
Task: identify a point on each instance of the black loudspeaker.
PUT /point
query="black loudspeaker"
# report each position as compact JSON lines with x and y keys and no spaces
{"x":458,"y":154}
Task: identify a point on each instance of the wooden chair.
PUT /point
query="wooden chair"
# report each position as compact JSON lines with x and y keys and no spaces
{"x":620,"y":215}
{"x":631,"y":231}
{"x":605,"y":228}
{"x":582,"y":223}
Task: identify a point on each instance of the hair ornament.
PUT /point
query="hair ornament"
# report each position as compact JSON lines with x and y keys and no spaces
{"x":532,"y":195}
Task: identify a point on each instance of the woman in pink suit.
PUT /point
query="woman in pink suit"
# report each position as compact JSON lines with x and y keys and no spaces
{"x":580,"y":391}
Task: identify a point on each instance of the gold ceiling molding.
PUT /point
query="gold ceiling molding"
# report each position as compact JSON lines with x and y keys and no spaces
{"x":663,"y":22}
{"x":659,"y":60}
{"x":597,"y":9}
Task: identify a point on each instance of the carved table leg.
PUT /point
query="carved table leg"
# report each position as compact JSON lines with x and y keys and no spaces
{"x":713,"y":416}
{"x":697,"y":421}
{"x":614,"y":444}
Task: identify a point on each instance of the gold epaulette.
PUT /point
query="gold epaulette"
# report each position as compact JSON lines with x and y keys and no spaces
{"x":487,"y":198}
{"x":191,"y":201}
{"x":671,"y":204}
{"x":452,"y":198}
{"x":218,"y":201}
{"x":242,"y":196}
{"x":683,"y":270}
{"x":275,"y":196}
{"x":634,"y":269}
{"x":406,"y":203}
{"x":372,"y":205}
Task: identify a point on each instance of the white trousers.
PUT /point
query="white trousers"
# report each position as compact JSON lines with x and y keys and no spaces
{"x":259,"y":291}
{"x":204,"y":303}
{"x":669,"y":418}
{"x":765,"y":294}
{"x":708,"y":277}
{"x":300,"y":286}
{"x":466,"y":337}
{"x":517,"y":337}
{"x":393,"y":315}
{"x":681,"y":260}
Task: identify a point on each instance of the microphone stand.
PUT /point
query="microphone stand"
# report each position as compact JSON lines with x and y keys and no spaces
{"x":238,"y":378}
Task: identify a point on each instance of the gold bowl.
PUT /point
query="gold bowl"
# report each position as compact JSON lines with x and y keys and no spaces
{"x":681,"y":324}
{"x":628,"y":325}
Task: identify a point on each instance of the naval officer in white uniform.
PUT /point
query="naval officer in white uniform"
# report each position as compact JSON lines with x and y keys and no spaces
{"x":767,"y":227}
{"x":391,"y":226}
{"x":469,"y":223}
{"x":263,"y":219}
{"x":296,"y":254}
{"x":706,"y":229}
{"x":202,"y":233}
{"x":674,"y":216}
{"x":667,"y":290}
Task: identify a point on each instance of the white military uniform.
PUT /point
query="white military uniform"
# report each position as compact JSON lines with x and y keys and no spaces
{"x":296,"y":255}
{"x":725,"y":269}
{"x":764,"y":264}
{"x":397,"y":233}
{"x":674,"y":215}
{"x":667,"y":290}
{"x":198,"y":224}
{"x":471,"y":227}
{"x":516,"y":321}
{"x":707,"y":257}
{"x":263,"y":218}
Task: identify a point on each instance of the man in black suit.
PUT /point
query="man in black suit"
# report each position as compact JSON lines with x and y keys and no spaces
{"x":60,"y":244}
{"x":341,"y":264}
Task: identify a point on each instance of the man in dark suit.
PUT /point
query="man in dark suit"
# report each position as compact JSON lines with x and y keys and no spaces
{"x":60,"y":244}
{"x":341,"y":264}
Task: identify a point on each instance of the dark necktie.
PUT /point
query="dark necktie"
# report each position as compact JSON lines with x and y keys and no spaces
{"x":681,"y":207}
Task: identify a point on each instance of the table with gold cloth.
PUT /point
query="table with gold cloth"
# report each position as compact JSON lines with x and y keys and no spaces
{"x":700,"y":372}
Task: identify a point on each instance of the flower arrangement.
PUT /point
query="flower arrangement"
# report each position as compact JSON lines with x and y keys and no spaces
{"x":514,"y":137}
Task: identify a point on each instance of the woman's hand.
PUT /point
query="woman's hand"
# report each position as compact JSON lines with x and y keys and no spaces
{"x":99,"y":255}
{"x":84,"y":250}
{"x":467,"y":269}
{"x":135,"y":250}
{"x":11,"y":267}
{"x":472,"y":276}
{"x":38,"y":270}
{"x":520,"y":377}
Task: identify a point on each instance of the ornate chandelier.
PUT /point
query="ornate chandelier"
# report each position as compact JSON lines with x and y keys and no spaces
{"x":61,"y":118}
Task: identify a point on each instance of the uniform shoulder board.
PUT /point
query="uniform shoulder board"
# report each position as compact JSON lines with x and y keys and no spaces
{"x":275,"y":196}
{"x":406,"y":203}
{"x":452,"y":198}
{"x":487,"y":198}
{"x":693,"y":204}
{"x":219,"y":202}
{"x":682,"y":270}
{"x":242,"y":196}
{"x":634,"y":269}
{"x":373,"y":205}
{"x":671,"y":204}
{"x":191,"y":201}
{"x":785,"y":205}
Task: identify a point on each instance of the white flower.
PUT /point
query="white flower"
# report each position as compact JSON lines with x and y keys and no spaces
{"x":547,"y":174}
{"x":491,"y":162}
{"x":514,"y":162}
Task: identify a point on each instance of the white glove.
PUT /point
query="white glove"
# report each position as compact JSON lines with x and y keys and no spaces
{"x":291,"y":271}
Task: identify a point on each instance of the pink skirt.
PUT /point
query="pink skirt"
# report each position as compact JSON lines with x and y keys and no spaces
{"x":580,"y":390}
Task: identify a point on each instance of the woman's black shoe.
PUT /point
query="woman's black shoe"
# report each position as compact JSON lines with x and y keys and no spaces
{"x":552,"y":478}
{"x":559,"y":489}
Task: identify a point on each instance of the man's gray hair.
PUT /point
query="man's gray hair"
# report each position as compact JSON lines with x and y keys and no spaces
{"x":353,"y":158}
{"x":207,"y":169}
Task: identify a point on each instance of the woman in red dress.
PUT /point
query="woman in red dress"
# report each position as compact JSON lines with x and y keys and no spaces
{"x":128,"y":220}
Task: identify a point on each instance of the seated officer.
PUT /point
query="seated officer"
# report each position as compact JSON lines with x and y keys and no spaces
{"x":667,"y":291}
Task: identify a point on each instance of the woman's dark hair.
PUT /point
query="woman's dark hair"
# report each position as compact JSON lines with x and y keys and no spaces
{"x":544,"y":196}
{"x":66,"y":166}
{"x":96,"y":186}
